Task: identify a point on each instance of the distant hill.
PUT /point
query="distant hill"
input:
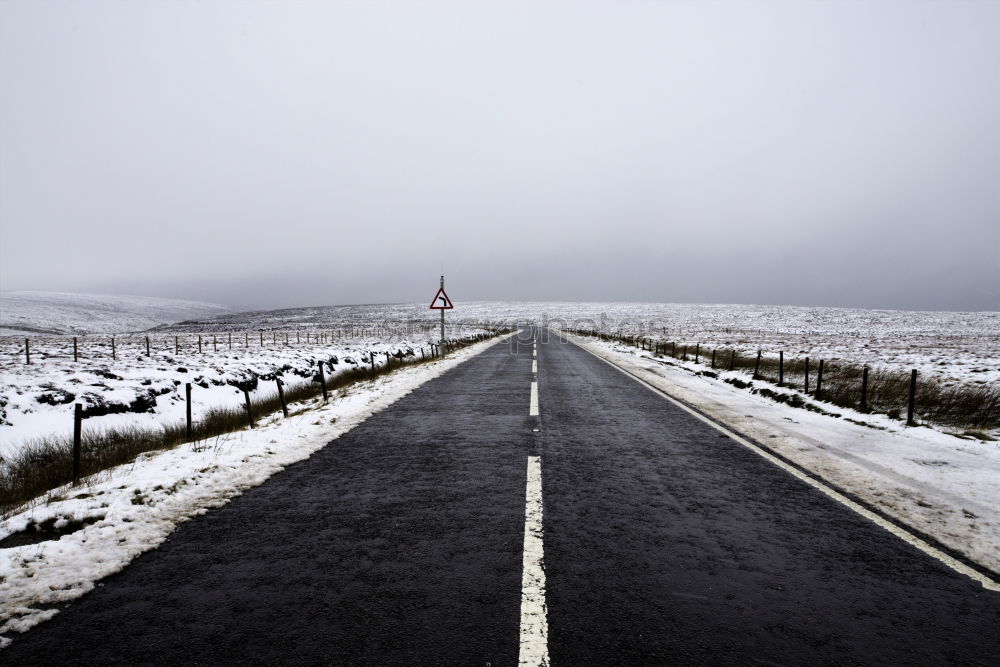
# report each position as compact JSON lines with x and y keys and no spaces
{"x":33,"y":313}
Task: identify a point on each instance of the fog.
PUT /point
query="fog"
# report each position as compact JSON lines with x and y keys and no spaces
{"x":269,"y":154}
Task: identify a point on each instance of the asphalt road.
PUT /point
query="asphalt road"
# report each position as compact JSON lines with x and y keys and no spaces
{"x":403,"y":543}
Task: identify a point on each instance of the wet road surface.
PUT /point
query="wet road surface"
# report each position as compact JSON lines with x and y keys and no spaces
{"x":651,"y":539}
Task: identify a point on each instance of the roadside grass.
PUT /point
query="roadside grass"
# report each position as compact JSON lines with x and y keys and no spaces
{"x":975,"y":407}
{"x":46,"y":463}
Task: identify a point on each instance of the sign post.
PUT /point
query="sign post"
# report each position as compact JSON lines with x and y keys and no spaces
{"x":441,"y":302}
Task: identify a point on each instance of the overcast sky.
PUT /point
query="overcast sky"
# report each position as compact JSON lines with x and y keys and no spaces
{"x":268,"y":154}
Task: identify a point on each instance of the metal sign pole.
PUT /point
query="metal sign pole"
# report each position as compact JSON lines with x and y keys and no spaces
{"x":445,"y":304}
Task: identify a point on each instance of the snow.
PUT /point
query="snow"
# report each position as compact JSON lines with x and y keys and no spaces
{"x":32,"y":313}
{"x":948,"y":346}
{"x":943,"y":486}
{"x":37,"y":400}
{"x":136,"y":506}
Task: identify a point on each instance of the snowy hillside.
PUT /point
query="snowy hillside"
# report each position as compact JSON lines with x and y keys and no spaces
{"x":950,"y":346}
{"x":36,"y":313}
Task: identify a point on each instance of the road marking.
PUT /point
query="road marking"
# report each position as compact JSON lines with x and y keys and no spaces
{"x":533,"y":407}
{"x":534,"y":366}
{"x":534,"y":623}
{"x":903,"y":534}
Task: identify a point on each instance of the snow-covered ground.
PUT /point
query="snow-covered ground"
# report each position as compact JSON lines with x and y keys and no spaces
{"x":33,"y":313}
{"x":130,"y":509}
{"x":949,"y":346}
{"x":941,"y":485}
{"x":37,"y":400}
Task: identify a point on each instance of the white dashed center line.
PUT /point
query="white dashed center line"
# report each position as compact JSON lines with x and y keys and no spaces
{"x":533,"y":407}
{"x":534,"y":622}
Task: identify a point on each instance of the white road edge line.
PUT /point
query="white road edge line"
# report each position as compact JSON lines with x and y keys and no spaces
{"x":533,"y":407}
{"x":908,"y":537}
{"x":534,"y":648}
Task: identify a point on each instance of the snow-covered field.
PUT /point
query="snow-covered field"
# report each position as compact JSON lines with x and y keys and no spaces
{"x":122,"y":512}
{"x":37,"y":400}
{"x":945,"y":487}
{"x":950,"y":346}
{"x":33,"y":313}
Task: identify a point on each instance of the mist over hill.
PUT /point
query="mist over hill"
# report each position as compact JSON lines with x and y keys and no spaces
{"x":67,"y":313}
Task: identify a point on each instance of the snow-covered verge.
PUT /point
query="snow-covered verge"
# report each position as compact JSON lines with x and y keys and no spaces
{"x":37,"y":400}
{"x":132,"y":508}
{"x":941,"y":485}
{"x":31,"y":313}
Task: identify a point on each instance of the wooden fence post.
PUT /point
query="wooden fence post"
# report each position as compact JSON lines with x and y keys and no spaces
{"x":371,"y":360}
{"x":215,"y":343}
{"x":322,"y":379}
{"x":27,"y":353}
{"x":697,"y":352}
{"x":756,"y":367}
{"x":76,"y":353}
{"x":732,"y":358}
{"x":246,"y":397}
{"x":114,"y":353}
{"x":713,"y":357}
{"x":864,"y":389}
{"x":281,"y":396}
{"x":807,"y":375}
{"x":913,"y":399}
{"x":673,"y":350}
{"x":246,"y":339}
{"x":262,"y":338}
{"x":819,"y":380}
{"x":77,"y":441}
{"x":147,"y":346}
{"x":199,"y":344}
{"x":781,"y":367}
{"x":187,"y":395}
{"x":177,"y":345}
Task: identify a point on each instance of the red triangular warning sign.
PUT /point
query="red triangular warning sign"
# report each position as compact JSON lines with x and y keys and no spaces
{"x":441,"y":301}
